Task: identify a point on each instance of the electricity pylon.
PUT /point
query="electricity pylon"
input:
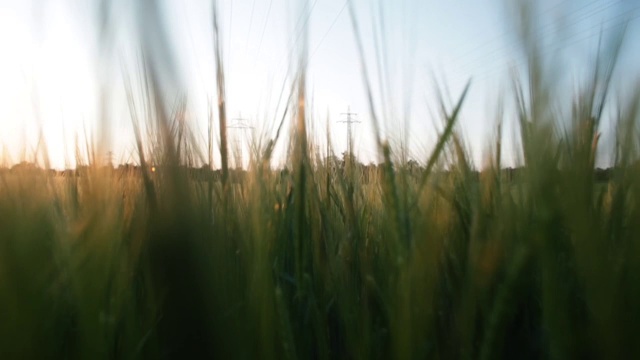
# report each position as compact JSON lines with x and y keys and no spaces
{"x":241,"y":124}
{"x":351,"y":118}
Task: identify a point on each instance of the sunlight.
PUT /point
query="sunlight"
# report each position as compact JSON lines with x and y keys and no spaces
{"x":48,"y":84}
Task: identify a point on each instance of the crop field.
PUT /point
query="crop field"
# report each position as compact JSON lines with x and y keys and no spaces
{"x":328,"y":258}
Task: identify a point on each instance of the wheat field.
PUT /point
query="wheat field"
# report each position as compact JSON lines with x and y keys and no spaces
{"x":329,"y":258}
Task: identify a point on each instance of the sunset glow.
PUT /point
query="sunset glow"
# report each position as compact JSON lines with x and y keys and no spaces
{"x":52,"y":70}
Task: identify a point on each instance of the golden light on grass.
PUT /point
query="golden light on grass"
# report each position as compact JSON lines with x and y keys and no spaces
{"x":413,"y":261}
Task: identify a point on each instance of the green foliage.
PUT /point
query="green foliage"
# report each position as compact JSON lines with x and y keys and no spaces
{"x":315,"y":264}
{"x":333,"y":262}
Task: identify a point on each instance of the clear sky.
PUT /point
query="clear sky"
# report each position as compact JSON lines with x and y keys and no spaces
{"x":52,"y":64}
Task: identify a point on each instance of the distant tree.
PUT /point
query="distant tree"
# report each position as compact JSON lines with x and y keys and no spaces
{"x":25,"y":166}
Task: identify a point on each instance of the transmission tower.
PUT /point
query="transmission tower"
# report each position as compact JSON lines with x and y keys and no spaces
{"x":241,"y":125}
{"x":350,"y":118}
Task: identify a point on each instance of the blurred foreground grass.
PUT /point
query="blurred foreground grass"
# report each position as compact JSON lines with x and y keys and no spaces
{"x":323,"y":262}
{"x":327,"y":261}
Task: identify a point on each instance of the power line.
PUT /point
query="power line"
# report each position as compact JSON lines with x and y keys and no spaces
{"x":503,"y":34}
{"x":253,"y":6}
{"x":502,"y":59}
{"x":574,"y":41}
{"x":302,"y":13}
{"x":304,"y":25}
{"x":300,"y":33}
{"x":547,"y":26}
{"x":545,"y":30}
{"x":329,"y":29}
{"x":264,"y":28}
{"x":230,"y":30}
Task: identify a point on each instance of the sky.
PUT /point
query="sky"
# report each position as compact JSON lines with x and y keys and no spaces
{"x":57,"y":67}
